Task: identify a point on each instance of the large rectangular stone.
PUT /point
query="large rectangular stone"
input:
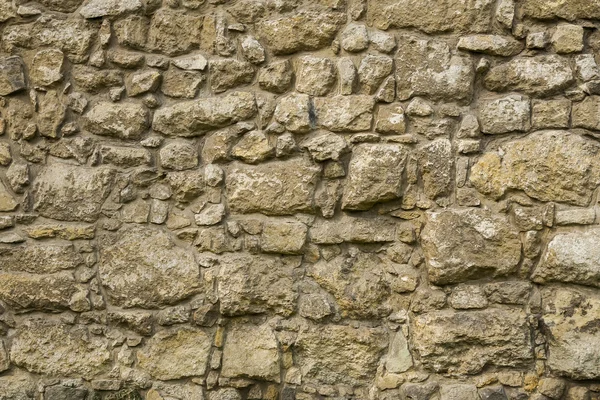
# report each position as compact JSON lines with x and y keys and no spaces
{"x":275,"y":188}
{"x":464,"y":342}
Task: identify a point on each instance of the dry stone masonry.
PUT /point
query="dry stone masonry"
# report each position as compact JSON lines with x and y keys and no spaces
{"x":299,"y":200}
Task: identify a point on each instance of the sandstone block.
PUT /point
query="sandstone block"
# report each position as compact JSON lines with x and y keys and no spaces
{"x":491,"y":44}
{"x":275,"y":188}
{"x":345,"y":113}
{"x":461,"y":245}
{"x":506,"y":114}
{"x":145,"y":268}
{"x":123,"y":120}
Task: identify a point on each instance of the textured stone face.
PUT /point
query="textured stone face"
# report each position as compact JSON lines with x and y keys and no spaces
{"x":323,"y":360}
{"x":466,"y":341}
{"x":45,"y":348}
{"x":572,"y":316}
{"x":570,"y":10}
{"x":68,"y":193}
{"x":277,"y":188}
{"x":366,"y":185}
{"x":549,"y":166}
{"x":197,"y":117}
{"x":147,"y":273}
{"x":176,"y":354}
{"x":126,"y":121}
{"x":469,"y":244}
{"x":571,"y":257}
{"x":251,"y":351}
{"x":254,"y":284}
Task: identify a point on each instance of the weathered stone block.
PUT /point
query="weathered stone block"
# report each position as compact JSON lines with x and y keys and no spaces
{"x":460,"y":245}
{"x":464,"y":342}
{"x":548,"y":166}
{"x":70,"y":193}
{"x":254,"y":284}
{"x":345,"y":113}
{"x":571,"y":317}
{"x":506,"y":114}
{"x":176,"y":354}
{"x":12,"y":77}
{"x":276,"y":188}
{"x":123,"y":120}
{"x":366,"y":185}
{"x":144,"y":268}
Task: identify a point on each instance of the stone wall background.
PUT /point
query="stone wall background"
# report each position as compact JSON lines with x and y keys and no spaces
{"x":299,"y":199}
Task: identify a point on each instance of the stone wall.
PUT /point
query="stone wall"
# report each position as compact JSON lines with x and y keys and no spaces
{"x":299,"y":199}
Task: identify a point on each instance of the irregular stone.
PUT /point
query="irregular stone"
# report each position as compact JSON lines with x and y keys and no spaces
{"x":194,"y":118}
{"x":495,"y":392}
{"x":179,"y":156}
{"x":255,"y":284}
{"x":122,"y":120}
{"x":547,"y":165}
{"x":283,"y":237}
{"x":65,"y":6}
{"x":229,"y":73}
{"x":275,"y":188}
{"x":363,"y":284}
{"x":309,"y":30}
{"x":570,"y":11}
{"x":419,"y":391}
{"x":571,"y":257}
{"x":382,"y":41}
{"x":436,"y":166}
{"x":41,"y":292}
{"x":73,"y":36}
{"x":5,"y":154}
{"x":40,"y":259}
{"x":251,"y":352}
{"x":390,"y":119}
{"x":345,"y":113}
{"x":575,"y":217}
{"x":7,"y":200}
{"x":464,"y":342}
{"x":59,"y":392}
{"x":12,"y":77}
{"x":567,"y":39}
{"x":586,"y":114}
{"x":186,"y":185}
{"x":347,"y":75}
{"x":46,"y":67}
{"x":211,"y":214}
{"x":459,"y":391}
{"x":293,"y":111}
{"x":93,"y":80}
{"x":506,"y":114}
{"x":70,"y":193}
{"x":353,"y":229}
{"x":132,"y":31}
{"x":428,"y":68}
{"x":495,"y":45}
{"x":551,"y":387}
{"x":316,"y":75}
{"x":7,"y":11}
{"x":17,"y":387}
{"x":144,"y":268}
{"x":181,"y":84}
{"x":398,"y":358}
{"x":51,"y":114}
{"x":103,"y":8}
{"x":505,"y":12}
{"x":571,"y":317}
{"x":325,"y":146}
{"x":586,"y":67}
{"x":509,"y":292}
{"x":441,"y":16}
{"x":143,"y":82}
{"x":365,"y":185}
{"x":276,"y":77}
{"x":48,"y":348}
{"x":123,"y":156}
{"x":174,"y":32}
{"x":176,"y":354}
{"x":461,"y":245}
{"x":537,"y":76}
{"x":252,"y":50}
{"x":323,"y":361}
{"x":195,"y":62}
{"x":550,"y":114}
{"x":372,"y":72}
{"x":355,"y":38}
{"x":466,"y":297}
{"x":253,"y":147}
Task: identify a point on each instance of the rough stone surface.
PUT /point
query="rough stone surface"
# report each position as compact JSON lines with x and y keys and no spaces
{"x":469,"y":244}
{"x":163,"y":273}
{"x":547,"y":165}
{"x":299,"y":199}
